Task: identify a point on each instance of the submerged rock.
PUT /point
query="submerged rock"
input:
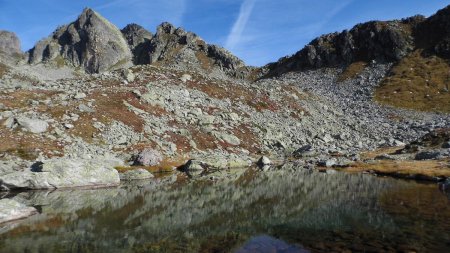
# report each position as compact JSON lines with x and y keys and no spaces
{"x":12,"y":210}
{"x":65,"y":173}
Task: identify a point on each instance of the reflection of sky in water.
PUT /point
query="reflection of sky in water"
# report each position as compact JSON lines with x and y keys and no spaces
{"x":267,"y":244}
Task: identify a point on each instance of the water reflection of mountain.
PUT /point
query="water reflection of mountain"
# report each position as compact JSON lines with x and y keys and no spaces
{"x":247,"y":203}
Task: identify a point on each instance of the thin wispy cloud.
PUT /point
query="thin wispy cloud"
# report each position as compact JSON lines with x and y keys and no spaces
{"x":239,"y":25}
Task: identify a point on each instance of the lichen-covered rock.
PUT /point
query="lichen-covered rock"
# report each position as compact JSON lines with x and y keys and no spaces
{"x":91,"y":42}
{"x":12,"y":210}
{"x":9,"y":43}
{"x":137,"y":174}
{"x":65,"y":173}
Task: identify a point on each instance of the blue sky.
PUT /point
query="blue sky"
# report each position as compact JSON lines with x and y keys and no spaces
{"x":258,"y":31}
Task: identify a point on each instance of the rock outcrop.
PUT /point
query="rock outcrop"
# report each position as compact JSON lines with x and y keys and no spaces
{"x":386,"y":41}
{"x":91,"y":43}
{"x":138,"y":39}
{"x":382,"y":41}
{"x":9,"y":43}
{"x":177,"y":47}
{"x":64,"y":173}
{"x":434,"y":33}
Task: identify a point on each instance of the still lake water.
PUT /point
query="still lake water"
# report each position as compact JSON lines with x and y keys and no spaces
{"x":285,"y":210}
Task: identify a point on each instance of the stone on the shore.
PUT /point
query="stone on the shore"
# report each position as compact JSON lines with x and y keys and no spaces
{"x":137,"y":174}
{"x":427,"y":155}
{"x":12,"y":210}
{"x":65,"y":173}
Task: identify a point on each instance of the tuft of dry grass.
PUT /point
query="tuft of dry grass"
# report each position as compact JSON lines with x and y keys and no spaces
{"x":420,"y":82}
{"x":3,"y":70}
{"x":352,"y":71}
{"x":426,"y":170}
{"x":205,"y":62}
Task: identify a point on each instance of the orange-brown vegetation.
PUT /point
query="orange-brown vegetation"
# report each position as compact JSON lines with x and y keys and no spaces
{"x":428,"y":170}
{"x":352,"y":71}
{"x":21,"y":98}
{"x":26,"y":145}
{"x":419,"y":81}
{"x":235,"y":93}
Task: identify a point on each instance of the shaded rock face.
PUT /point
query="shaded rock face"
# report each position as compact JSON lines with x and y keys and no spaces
{"x":175,"y":46}
{"x":9,"y":43}
{"x":91,"y":42}
{"x":376,"y":40}
{"x":434,"y":33}
{"x":138,"y":39}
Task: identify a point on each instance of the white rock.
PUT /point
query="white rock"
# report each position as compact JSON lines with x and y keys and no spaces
{"x":264,"y":160}
{"x":68,"y":126}
{"x":186,"y":77}
{"x":80,"y":95}
{"x":33,"y":125}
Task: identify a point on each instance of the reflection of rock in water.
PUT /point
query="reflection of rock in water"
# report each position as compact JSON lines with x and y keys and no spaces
{"x":251,"y":202}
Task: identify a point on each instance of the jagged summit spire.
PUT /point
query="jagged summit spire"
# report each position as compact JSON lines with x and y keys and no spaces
{"x":90,"y":42}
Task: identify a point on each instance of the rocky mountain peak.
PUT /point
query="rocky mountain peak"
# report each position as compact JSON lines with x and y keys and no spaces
{"x":91,"y":43}
{"x":166,"y":27}
{"x":176,"y":47}
{"x":138,"y":39}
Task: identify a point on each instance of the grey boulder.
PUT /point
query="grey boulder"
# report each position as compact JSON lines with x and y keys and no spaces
{"x":428,"y":155}
{"x":32,"y":125}
{"x":148,"y":157}
{"x":65,"y":173}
